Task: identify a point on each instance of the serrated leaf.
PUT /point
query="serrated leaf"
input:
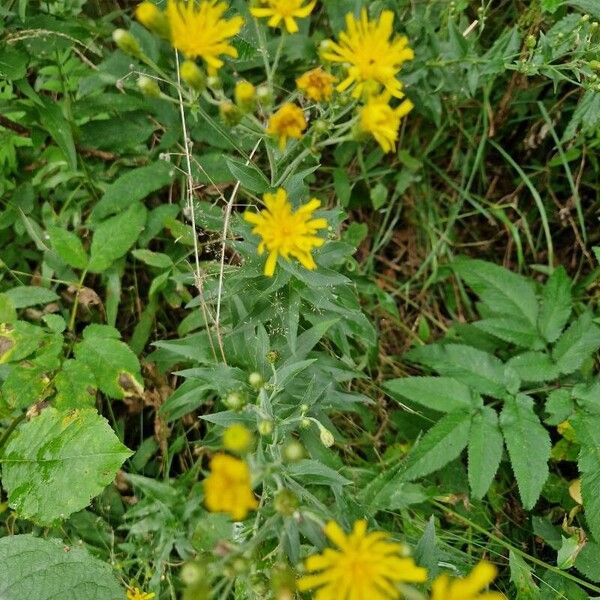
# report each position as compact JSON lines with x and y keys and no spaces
{"x":48,"y":569}
{"x":484,"y":451}
{"x":440,"y":445}
{"x":132,"y":187}
{"x":75,"y":386}
{"x":23,"y":296}
{"x":475,"y":368}
{"x":115,"y":366}
{"x":588,"y":561}
{"x":504,"y":292}
{"x":555,"y":308}
{"x":512,"y":330}
{"x":442,"y":394}
{"x":250,"y":177}
{"x":56,"y":463}
{"x":528,"y":445}
{"x":534,"y":366}
{"x":115,"y":236}
{"x":153,"y":259}
{"x":576,"y":344}
{"x":520,"y":575}
{"x":68,"y":246}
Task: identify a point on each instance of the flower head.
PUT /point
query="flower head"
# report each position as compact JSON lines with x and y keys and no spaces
{"x":199,"y":30}
{"x":371,"y":55}
{"x":245,"y":95}
{"x":469,"y":588}
{"x":286,"y":233}
{"x":283,"y":12}
{"x":134,"y":593}
{"x":364,"y":567}
{"x":227,"y":488}
{"x":316,"y":84}
{"x":379,"y":119}
{"x":237,"y":438}
{"x":287,"y":122}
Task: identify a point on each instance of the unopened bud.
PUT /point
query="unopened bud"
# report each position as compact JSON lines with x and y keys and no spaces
{"x":234,"y":401}
{"x":264,"y":96}
{"x":193,"y":75}
{"x":531,"y":41}
{"x":293,"y":451}
{"x":152,"y":18}
{"x":265,"y":427}
{"x":245,"y":96}
{"x":286,"y":503}
{"x":126,"y":42}
{"x":192,"y":573}
{"x":230,"y":113}
{"x":272,"y":357}
{"x":148,"y":86}
{"x":214,"y":83}
{"x":255,"y":380}
{"x":326,"y":436}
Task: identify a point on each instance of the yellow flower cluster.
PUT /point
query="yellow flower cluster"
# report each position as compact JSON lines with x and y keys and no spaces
{"x":134,"y":593}
{"x":367,"y":566}
{"x":283,"y":12}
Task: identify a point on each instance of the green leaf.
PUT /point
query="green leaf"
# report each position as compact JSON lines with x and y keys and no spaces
{"x":520,"y":575}
{"x":576,"y":344}
{"x":512,"y":330}
{"x":528,"y":445}
{"x":485,"y":451}
{"x":8,"y":312}
{"x":115,"y":366}
{"x":23,"y":296}
{"x":68,"y":246}
{"x":48,"y":569}
{"x":52,"y":119}
{"x":115,"y":236}
{"x":555,"y":308}
{"x":440,"y":445}
{"x":588,"y":561}
{"x":153,"y":259}
{"x":551,"y":6}
{"x":250,"y":177}
{"x":504,"y":292}
{"x":56,"y":463}
{"x":442,"y":394}
{"x":24,"y":386}
{"x":477,"y":369}
{"x":534,"y":367}
{"x":131,"y":187}
{"x":75,"y":386}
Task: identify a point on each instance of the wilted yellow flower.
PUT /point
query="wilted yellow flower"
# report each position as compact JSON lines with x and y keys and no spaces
{"x":286,"y":233}
{"x":365,"y":567}
{"x":316,"y":84}
{"x":237,"y":438}
{"x":134,"y":593}
{"x":286,"y":11}
{"x":370,"y":54}
{"x":227,"y":488}
{"x":152,"y":18}
{"x":199,"y":30}
{"x":287,"y":122}
{"x":380,"y":120}
{"x":470,"y":588}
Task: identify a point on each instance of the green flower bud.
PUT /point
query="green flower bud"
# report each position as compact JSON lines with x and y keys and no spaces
{"x":531,"y":41}
{"x":235,"y":401}
{"x":214,"y":83}
{"x":255,"y":380}
{"x":192,"y":74}
{"x":192,"y":573}
{"x":148,"y":86}
{"x":265,"y":427}
{"x":293,"y":451}
{"x":230,"y":114}
{"x":127,"y":43}
{"x":272,"y":357}
{"x":286,"y":503}
{"x":264,"y":96}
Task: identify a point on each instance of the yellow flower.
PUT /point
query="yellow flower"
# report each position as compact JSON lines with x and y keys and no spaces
{"x":370,"y":54}
{"x":316,"y":84}
{"x":134,"y":593}
{"x":245,"y":95}
{"x":227,"y":488}
{"x":286,"y":233}
{"x":469,"y":588}
{"x":152,"y":18}
{"x":287,"y":122}
{"x":198,"y":29}
{"x":285,"y":11}
{"x":237,"y":438}
{"x":366,"y":566}
{"x":380,"y":120}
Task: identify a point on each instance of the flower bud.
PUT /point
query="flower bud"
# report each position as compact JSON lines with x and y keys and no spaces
{"x":265,"y":427}
{"x":214,"y":83}
{"x":127,"y":43}
{"x":272,"y":357}
{"x":234,"y":401}
{"x":286,"y":503}
{"x":152,"y":18}
{"x":148,"y":86}
{"x":193,"y":75}
{"x":326,"y":436}
{"x":531,"y":41}
{"x":255,"y":380}
{"x":230,"y":113}
{"x":245,"y":96}
{"x":293,"y":451}
{"x":237,"y":438}
{"x":264,"y":96}
{"x":192,"y":573}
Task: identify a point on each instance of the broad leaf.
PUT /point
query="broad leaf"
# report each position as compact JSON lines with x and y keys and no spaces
{"x":442,"y":394}
{"x":75,"y":386}
{"x":576,"y":344}
{"x":516,"y":331}
{"x":556,"y":305}
{"x":485,"y":451}
{"x":521,"y":576}
{"x":534,"y":366}
{"x":440,"y":445}
{"x":23,"y":296}
{"x":68,"y":246}
{"x":56,"y":463}
{"x":47,"y":569}
{"x":528,"y":445}
{"x":249,"y":176}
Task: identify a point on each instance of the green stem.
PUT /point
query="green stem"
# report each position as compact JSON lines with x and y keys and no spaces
{"x":76,"y":301}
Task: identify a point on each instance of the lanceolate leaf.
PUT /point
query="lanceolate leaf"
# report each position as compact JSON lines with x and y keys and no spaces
{"x":513,"y":330}
{"x":485,"y":451}
{"x":534,"y":366}
{"x":441,"y":444}
{"x":556,"y":305}
{"x":56,"y":463}
{"x":42,"y":569}
{"x":576,"y":344}
{"x":528,"y":445}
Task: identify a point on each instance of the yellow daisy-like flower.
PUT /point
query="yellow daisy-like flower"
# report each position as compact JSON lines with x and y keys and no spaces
{"x":470,"y":588}
{"x":366,"y":567}
{"x":286,"y":233}
{"x":316,"y":84}
{"x":237,"y":438}
{"x":134,"y":593}
{"x":227,"y":488}
{"x":370,"y":54}
{"x":288,"y":122}
{"x":283,"y":12}
{"x":198,"y":30}
{"x":380,"y":120}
